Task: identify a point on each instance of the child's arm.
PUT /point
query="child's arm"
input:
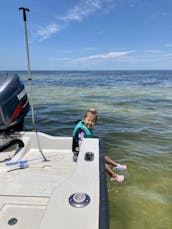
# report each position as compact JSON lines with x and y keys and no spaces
{"x":81,"y":135}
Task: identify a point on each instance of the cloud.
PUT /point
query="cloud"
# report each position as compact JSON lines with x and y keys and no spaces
{"x":82,"y":10}
{"x":98,"y":57}
{"x":128,"y":59}
{"x":77,"y":13}
{"x":109,"y":55}
{"x":44,"y":33}
{"x":107,"y":60}
{"x":168,"y":45}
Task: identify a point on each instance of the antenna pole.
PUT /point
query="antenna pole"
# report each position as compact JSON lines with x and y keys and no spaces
{"x":29,"y":78}
{"x":28,"y":62}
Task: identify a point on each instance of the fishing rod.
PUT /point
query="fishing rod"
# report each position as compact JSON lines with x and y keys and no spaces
{"x":30,"y":79}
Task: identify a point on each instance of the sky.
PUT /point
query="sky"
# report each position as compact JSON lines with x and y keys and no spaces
{"x":87,"y":35}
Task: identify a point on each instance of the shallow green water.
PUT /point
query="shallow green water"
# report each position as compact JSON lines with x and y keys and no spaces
{"x":135,"y":121}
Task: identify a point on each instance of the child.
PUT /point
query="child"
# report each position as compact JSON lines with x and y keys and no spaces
{"x":83,"y":129}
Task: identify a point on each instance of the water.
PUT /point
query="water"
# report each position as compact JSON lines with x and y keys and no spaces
{"x":135,"y":121}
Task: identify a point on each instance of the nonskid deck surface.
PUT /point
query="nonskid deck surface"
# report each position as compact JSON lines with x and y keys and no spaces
{"x":39,"y":178}
{"x":25,"y":193}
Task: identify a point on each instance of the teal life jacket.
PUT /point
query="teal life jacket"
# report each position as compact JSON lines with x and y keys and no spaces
{"x":87,"y":131}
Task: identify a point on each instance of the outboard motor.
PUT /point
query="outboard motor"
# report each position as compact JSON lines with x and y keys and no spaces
{"x":14,"y":104}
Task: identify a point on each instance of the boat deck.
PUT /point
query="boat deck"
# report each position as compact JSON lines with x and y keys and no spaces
{"x":37,"y":196}
{"x":40,"y":176}
{"x":25,"y":193}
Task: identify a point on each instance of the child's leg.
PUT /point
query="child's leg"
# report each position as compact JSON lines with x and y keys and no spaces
{"x":110,"y":171}
{"x":114,"y":176}
{"x":110,"y":161}
{"x":115,"y":165}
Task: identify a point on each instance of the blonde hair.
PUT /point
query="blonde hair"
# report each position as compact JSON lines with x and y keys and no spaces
{"x":92,"y":111}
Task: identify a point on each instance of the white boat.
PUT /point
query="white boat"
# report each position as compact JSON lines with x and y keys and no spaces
{"x":41,"y":186}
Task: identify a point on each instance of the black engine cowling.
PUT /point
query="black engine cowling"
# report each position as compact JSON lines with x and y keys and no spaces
{"x":14,"y":104}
